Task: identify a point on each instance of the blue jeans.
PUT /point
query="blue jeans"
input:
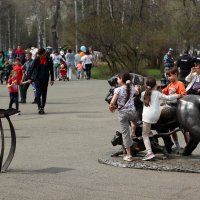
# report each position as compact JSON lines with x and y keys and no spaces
{"x":56,"y":70}
{"x":79,"y":74}
{"x":88,"y":70}
{"x":14,"y":98}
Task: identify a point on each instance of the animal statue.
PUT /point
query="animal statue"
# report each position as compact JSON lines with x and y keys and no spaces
{"x":185,"y":114}
{"x":166,"y":125}
{"x":188,"y":113}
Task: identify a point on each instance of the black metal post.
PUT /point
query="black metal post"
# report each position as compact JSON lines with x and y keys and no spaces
{"x":5,"y":114}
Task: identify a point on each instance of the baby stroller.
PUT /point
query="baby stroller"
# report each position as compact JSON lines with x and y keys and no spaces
{"x":63,"y":73}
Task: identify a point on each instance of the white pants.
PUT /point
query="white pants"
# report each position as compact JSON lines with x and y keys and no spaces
{"x":69,"y":72}
{"x":146,"y":132}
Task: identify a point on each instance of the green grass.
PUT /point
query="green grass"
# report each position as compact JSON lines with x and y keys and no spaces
{"x":100,"y":72}
{"x":156,"y":73}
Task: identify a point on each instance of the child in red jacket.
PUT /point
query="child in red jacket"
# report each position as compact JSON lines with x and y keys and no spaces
{"x":13,"y":90}
{"x":19,"y":69}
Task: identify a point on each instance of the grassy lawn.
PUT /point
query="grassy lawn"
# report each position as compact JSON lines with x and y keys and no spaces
{"x":100,"y":72}
{"x":156,"y":73}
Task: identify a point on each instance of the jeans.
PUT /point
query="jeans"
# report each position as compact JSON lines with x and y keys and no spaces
{"x":41,"y":89}
{"x":34,"y":89}
{"x":14,"y":98}
{"x":88,"y":70}
{"x":56,"y":70}
{"x":79,"y":74}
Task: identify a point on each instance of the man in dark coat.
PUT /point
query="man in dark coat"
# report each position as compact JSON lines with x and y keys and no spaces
{"x":184,"y":64}
{"x":40,"y":70}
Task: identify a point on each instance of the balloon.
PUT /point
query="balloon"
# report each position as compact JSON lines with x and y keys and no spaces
{"x":83,"y":48}
{"x":82,"y":54}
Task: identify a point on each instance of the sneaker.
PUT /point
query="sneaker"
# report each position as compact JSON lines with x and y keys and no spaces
{"x":176,"y":150}
{"x":22,"y":101}
{"x":35,"y":100}
{"x":128,"y":158}
{"x":41,"y":111}
{"x":148,"y":156}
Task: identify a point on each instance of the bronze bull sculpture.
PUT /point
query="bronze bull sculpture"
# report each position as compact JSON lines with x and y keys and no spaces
{"x":186,"y":115}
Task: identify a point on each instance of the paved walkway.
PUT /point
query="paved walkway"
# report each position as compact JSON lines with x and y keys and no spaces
{"x":56,"y":155}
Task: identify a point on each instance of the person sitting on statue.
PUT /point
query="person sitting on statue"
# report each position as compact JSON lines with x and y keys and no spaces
{"x":123,"y":101}
{"x":194,"y":80}
{"x":175,"y":87}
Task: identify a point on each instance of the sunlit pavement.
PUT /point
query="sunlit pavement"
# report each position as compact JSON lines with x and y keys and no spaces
{"x":57,"y":154}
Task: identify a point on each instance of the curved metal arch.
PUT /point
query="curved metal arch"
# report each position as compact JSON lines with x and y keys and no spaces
{"x":2,"y":144}
{"x":12,"y":147}
{"x":4,"y":166}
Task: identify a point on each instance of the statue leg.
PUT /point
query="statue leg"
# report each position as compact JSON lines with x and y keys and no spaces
{"x":156,"y":148}
{"x":168,"y":143}
{"x":190,"y":147}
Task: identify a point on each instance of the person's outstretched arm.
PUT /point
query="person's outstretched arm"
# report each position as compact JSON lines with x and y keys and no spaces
{"x":51,"y":71}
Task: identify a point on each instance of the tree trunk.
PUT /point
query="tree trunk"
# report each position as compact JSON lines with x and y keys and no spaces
{"x":44,"y":36}
{"x":76,"y":28}
{"x":98,"y":7}
{"x":0,"y":35}
{"x":15,"y":30}
{"x":55,"y":19}
{"x":110,"y":4}
{"x":82,"y":9}
{"x":38,"y":32}
{"x":123,"y":11}
{"x":141,"y":8}
{"x":9,"y":31}
{"x":0,"y":27}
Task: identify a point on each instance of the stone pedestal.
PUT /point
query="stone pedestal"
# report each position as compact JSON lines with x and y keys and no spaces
{"x":174,"y":162}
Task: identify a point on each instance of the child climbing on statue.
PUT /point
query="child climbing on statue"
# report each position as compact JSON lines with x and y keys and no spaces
{"x":175,"y":87}
{"x":151,"y":112}
{"x":123,"y":101}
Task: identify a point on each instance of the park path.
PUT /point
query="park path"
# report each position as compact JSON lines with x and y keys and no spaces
{"x":57,"y":153}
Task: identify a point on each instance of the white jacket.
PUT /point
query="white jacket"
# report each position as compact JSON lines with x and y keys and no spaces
{"x":151,"y":114}
{"x":191,"y":78}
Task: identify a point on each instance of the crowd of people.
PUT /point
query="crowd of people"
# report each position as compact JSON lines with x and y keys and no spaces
{"x":21,"y":68}
{"x":186,"y":61}
{"x":183,"y":78}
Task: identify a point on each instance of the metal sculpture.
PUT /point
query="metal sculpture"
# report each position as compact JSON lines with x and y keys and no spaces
{"x":5,"y":114}
{"x":185,"y":115}
{"x":188,"y":113}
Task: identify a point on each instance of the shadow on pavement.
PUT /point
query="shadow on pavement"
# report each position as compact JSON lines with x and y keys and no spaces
{"x":51,"y":170}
